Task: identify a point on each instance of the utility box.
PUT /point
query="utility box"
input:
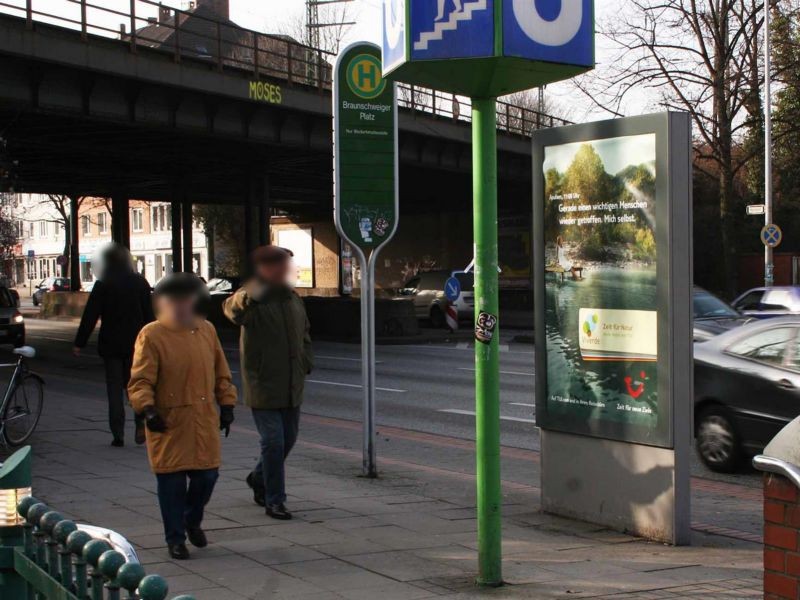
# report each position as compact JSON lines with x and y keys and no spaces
{"x":486,"y":48}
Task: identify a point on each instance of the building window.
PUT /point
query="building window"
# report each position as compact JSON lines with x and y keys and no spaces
{"x":102,"y":222}
{"x":42,"y":229}
{"x":86,"y":225}
{"x":137,"y":219}
{"x":30,"y":229}
{"x":160,"y":218}
{"x":20,"y":229}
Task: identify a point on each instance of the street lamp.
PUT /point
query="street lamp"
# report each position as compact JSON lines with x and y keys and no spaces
{"x":15,"y":484}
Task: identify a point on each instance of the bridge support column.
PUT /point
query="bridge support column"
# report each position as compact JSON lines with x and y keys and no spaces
{"x":120,"y":221}
{"x":74,"y":244}
{"x":188,"y":235}
{"x":264,"y":212}
{"x":175,"y":208}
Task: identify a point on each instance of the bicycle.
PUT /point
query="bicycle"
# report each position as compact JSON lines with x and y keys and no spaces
{"x":22,"y":402}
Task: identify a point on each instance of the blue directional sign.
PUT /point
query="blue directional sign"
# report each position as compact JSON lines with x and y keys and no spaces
{"x":394,"y":33}
{"x":558,"y":31}
{"x":452,"y":29}
{"x":771,"y":235}
{"x":452,"y":289}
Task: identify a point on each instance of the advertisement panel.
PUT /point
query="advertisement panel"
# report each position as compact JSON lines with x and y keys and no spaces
{"x":604,"y":275}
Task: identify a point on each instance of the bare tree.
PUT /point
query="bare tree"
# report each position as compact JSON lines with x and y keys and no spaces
{"x":337,"y":19}
{"x":60,"y":205}
{"x":698,"y":56}
{"x":529,"y":110}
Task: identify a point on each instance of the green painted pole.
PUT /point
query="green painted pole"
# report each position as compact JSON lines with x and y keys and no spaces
{"x":487,"y":355}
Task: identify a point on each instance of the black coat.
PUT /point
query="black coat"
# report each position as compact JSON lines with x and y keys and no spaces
{"x":124,"y":304}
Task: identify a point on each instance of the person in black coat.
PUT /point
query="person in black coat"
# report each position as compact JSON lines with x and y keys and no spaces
{"x":122,"y":300}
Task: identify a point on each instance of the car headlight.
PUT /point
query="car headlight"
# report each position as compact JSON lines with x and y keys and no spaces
{"x":18,"y":318}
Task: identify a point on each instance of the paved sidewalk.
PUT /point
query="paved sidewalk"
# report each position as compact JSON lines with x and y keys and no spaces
{"x":409,"y":535}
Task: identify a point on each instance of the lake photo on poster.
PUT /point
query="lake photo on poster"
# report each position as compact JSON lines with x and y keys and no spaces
{"x":601,"y":310}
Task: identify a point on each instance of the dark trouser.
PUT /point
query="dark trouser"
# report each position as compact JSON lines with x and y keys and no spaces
{"x":182,"y":507}
{"x":118,"y":374}
{"x":278,"y":430}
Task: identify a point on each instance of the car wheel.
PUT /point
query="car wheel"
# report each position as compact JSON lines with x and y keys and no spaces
{"x":717,"y":441}
{"x":437,"y":317}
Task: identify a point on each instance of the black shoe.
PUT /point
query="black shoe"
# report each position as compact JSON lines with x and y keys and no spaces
{"x":197,"y":537}
{"x":139,"y":436}
{"x":278,"y":511}
{"x":258,"y":494}
{"x":118,"y":443}
{"x":178,"y":551}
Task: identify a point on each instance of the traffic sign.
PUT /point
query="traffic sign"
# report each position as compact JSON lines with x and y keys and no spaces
{"x":365,"y":204}
{"x":756,"y":209}
{"x":771,"y":235}
{"x":31,"y":254}
{"x":365,"y":149}
{"x":452,"y":289}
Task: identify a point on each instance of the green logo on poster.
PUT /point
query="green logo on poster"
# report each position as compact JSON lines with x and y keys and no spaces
{"x":364,"y":76}
{"x":590,"y":324}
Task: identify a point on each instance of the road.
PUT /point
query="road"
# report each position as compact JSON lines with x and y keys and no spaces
{"x":426,"y":388}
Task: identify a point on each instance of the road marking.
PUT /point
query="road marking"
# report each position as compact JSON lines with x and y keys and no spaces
{"x":522,"y":404}
{"x":501,"y":372}
{"x":358,"y":360}
{"x":353,"y":385}
{"x":457,"y":411}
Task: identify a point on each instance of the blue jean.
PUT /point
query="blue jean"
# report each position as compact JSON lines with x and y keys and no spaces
{"x":278,"y":430}
{"x":183,"y":506}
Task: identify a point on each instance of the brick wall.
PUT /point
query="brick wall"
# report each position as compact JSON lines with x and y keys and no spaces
{"x":781,"y":535}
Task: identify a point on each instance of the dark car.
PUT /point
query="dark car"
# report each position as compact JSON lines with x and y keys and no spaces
{"x":713,"y":316}
{"x":747,"y":387}
{"x":12,"y":324}
{"x":51,"y":284}
{"x":769,"y":302}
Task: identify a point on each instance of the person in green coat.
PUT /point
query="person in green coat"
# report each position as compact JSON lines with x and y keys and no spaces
{"x":276,"y":356}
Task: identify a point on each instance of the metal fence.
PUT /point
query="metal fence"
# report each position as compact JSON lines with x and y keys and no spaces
{"x":186,"y":35}
{"x":57,"y":561}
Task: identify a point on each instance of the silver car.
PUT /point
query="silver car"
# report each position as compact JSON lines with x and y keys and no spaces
{"x":427,"y":291}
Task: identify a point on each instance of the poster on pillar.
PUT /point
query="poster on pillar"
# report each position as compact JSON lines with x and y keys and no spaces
{"x":365,"y":149}
{"x":605,"y":266}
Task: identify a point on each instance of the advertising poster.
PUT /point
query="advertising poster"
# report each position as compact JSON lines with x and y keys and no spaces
{"x":601,"y":301}
{"x":301,"y":243}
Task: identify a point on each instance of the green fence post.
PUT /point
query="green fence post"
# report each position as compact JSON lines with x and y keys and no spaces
{"x":129,"y":576}
{"x":46,"y":524}
{"x":487,"y":351}
{"x":91,"y":554}
{"x":76,"y":541}
{"x":61,"y":533}
{"x":153,"y":587}
{"x":110,"y":563}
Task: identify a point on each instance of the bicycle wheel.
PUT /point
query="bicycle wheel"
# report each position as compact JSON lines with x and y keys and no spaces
{"x":23,"y":410}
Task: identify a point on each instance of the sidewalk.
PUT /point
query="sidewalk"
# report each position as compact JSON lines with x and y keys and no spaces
{"x":409,"y":535}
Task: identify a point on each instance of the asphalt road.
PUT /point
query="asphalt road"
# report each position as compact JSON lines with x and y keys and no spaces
{"x":425,"y":387}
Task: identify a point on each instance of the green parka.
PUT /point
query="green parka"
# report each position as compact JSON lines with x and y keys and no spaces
{"x":275,"y":345}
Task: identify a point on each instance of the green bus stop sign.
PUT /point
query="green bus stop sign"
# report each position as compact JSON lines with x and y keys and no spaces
{"x":365,"y":149}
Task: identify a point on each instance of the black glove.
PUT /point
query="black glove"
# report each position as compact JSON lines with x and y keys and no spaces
{"x":225,"y":419}
{"x":153,"y":420}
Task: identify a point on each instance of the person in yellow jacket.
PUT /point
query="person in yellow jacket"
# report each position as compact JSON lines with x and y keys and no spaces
{"x":178,"y":380}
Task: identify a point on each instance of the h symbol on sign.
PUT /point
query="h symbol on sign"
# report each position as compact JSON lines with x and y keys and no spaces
{"x":367,"y":73}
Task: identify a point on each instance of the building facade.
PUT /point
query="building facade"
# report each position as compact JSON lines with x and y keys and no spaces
{"x":42,"y":240}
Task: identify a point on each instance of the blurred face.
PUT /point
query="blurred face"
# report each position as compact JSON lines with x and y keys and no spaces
{"x":180,"y":311}
{"x":273,"y":273}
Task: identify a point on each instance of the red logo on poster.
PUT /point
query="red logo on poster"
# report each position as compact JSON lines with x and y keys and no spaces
{"x":635,"y":388}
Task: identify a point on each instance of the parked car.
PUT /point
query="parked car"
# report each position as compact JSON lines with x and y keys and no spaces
{"x":747,"y":387}
{"x":769,"y":302}
{"x":51,"y":284}
{"x":12,"y":324}
{"x":219,"y":290}
{"x":427,"y":291}
{"x":713,"y":316}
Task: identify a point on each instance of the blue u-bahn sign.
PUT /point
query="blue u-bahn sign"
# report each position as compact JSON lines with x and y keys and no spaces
{"x":518,"y":43}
